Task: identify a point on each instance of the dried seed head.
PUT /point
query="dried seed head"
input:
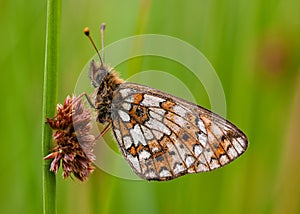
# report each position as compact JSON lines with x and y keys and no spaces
{"x":72,"y":125}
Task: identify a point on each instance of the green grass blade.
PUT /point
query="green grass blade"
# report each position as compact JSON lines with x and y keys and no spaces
{"x":50,"y":98}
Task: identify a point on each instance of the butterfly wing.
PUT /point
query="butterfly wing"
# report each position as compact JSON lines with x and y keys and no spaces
{"x":163,"y":137}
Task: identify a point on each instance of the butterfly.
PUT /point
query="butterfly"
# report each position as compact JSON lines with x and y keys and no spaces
{"x":161,"y":136}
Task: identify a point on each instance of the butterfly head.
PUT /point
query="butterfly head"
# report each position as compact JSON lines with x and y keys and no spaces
{"x":97,"y":73}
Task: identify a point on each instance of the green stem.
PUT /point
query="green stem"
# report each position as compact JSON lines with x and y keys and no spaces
{"x":50,"y":98}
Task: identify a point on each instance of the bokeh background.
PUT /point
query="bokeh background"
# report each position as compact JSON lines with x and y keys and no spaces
{"x":254,"y":47}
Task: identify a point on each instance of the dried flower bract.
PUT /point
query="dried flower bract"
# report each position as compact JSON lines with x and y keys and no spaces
{"x":72,"y":125}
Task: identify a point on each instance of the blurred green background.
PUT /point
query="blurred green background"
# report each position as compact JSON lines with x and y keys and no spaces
{"x":253,"y":45}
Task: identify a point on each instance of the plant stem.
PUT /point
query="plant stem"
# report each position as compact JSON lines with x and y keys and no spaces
{"x":50,"y":98}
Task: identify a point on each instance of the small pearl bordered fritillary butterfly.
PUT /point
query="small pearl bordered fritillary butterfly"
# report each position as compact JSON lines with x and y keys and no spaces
{"x":161,"y":136}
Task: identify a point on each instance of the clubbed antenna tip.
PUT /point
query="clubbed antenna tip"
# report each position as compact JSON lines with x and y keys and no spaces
{"x":86,"y":31}
{"x":102,"y":27}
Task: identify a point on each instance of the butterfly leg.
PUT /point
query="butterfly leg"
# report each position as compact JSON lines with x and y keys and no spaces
{"x":107,"y":127}
{"x":87,"y":98}
{"x":89,"y":101}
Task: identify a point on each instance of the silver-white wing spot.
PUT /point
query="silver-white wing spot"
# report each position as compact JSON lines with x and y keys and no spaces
{"x":159,"y":111}
{"x":189,"y":160}
{"x":147,"y":133}
{"x":178,"y":120}
{"x":214,"y":164}
{"x":137,"y":135}
{"x":201,"y":164}
{"x":201,"y":126}
{"x":126,"y":106}
{"x":127,"y":91}
{"x":118,"y":135}
{"x":127,"y":142}
{"x":242,"y":142}
{"x":134,"y":162}
{"x":157,"y":134}
{"x":237,"y":146}
{"x":178,"y":168}
{"x":150,"y":174}
{"x":202,"y":138}
{"x":232,"y":153}
{"x":156,"y":116}
{"x":180,"y":110}
{"x":144,"y":154}
{"x":159,"y":126}
{"x":164,"y":173}
{"x":150,"y":100}
{"x":129,"y":99}
{"x":197,"y":150}
{"x":124,"y":116}
{"x":224,"y":159}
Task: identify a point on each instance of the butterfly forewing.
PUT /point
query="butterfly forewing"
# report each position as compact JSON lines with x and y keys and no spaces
{"x":163,"y":137}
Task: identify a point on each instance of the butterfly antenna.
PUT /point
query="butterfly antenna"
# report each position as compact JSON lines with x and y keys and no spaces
{"x":102,"y":28}
{"x":87,"y":33}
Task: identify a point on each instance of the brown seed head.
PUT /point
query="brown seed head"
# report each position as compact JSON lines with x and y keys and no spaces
{"x":72,"y":125}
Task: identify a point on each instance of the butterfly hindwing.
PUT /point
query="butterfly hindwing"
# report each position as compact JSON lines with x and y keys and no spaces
{"x":163,"y":137}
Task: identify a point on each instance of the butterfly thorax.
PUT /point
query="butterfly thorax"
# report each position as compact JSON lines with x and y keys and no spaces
{"x":106,"y":81}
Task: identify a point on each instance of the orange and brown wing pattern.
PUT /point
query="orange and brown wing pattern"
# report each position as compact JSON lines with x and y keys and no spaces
{"x":163,"y":137}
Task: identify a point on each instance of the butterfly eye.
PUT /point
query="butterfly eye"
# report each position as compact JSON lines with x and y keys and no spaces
{"x":97,"y":73}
